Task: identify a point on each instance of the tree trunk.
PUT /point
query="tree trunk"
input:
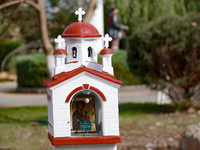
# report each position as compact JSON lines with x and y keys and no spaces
{"x":47,"y":46}
{"x":90,"y":12}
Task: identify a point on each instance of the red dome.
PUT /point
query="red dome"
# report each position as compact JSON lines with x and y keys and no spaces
{"x":60,"y":51}
{"x":81,"y":29}
{"x":106,"y":51}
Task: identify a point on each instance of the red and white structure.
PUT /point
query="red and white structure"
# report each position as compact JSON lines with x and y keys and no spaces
{"x":83,"y":95}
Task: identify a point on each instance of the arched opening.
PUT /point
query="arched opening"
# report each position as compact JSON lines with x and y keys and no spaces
{"x":86,"y":114}
{"x":89,"y":51}
{"x":74,"y":52}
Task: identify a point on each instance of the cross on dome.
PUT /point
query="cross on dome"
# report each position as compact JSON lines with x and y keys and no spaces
{"x":59,"y":42}
{"x":80,"y":12}
{"x":106,"y":39}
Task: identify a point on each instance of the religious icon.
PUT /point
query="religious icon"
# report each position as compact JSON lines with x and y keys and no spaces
{"x":83,"y":116}
{"x":78,"y":115}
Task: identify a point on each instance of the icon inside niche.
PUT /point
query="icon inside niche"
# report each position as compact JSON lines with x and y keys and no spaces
{"x":83,"y":116}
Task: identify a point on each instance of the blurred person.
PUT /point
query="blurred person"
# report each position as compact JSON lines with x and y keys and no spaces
{"x":114,"y":27}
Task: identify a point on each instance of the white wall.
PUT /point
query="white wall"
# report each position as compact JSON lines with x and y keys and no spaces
{"x":82,"y":45}
{"x":86,"y":147}
{"x":61,"y":109}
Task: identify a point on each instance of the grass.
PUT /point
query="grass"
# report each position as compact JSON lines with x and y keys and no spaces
{"x":23,"y":116}
{"x":26,"y":115}
{"x":24,"y":128}
{"x":21,"y":128}
{"x":147,"y":108}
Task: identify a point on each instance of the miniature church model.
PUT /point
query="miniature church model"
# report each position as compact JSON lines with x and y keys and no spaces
{"x":83,"y":95}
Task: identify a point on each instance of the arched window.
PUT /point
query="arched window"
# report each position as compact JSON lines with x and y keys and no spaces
{"x":89,"y":51}
{"x":74,"y":52}
{"x":86,"y":115}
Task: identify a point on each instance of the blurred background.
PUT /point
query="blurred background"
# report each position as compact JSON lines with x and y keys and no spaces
{"x":157,"y":56}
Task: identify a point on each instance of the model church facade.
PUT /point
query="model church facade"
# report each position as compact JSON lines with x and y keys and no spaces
{"x":83,"y":95}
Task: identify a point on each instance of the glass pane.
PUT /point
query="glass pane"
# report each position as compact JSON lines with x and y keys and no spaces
{"x":74,"y":52}
{"x":89,"y":52}
{"x":86,"y":115}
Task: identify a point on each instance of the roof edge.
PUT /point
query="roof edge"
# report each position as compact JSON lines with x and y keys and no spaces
{"x":67,"y":75}
{"x":78,"y":35}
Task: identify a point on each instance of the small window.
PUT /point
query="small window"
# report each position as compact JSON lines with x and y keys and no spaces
{"x":89,"y":51}
{"x":74,"y":52}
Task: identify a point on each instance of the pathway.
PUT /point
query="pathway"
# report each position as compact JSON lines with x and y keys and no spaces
{"x":127,"y":94}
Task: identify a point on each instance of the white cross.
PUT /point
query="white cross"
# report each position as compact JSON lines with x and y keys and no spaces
{"x":80,"y":12}
{"x":60,"y":41}
{"x":106,"y":39}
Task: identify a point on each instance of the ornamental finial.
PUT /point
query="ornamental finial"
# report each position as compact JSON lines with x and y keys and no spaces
{"x":106,"y":39}
{"x":80,"y":12}
{"x":60,"y":41}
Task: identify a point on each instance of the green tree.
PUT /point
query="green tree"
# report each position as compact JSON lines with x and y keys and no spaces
{"x":57,"y":18}
{"x":135,"y":13}
{"x":39,"y":6}
{"x":166,"y":54}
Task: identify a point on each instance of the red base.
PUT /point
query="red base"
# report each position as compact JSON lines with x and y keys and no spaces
{"x":84,"y":140}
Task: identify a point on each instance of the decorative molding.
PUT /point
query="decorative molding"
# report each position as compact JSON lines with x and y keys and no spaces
{"x":48,"y":97}
{"x":63,"y":76}
{"x":49,"y":124}
{"x":84,"y":140}
{"x":85,"y":86}
{"x":73,"y":92}
{"x":99,"y":92}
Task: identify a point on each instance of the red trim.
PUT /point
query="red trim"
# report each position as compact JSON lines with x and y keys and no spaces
{"x":73,"y":92}
{"x":78,"y":35}
{"x":106,"y":51}
{"x":60,"y":51}
{"x":81,"y":29}
{"x":84,"y":140}
{"x":86,"y":86}
{"x":48,"y":97}
{"x":106,"y":73}
{"x":72,"y":62}
{"x":49,"y":124}
{"x":59,"y":76}
{"x":99,"y":92}
{"x":67,"y":75}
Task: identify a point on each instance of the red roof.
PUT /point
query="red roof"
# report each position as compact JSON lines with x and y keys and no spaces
{"x":60,"y":51}
{"x":81,"y":29}
{"x":106,"y":51}
{"x":67,"y":75}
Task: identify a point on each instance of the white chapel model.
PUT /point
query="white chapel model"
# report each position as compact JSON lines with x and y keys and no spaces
{"x":83,"y":95}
